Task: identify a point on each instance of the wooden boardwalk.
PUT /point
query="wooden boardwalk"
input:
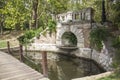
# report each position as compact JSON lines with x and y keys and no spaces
{"x":13,"y":69}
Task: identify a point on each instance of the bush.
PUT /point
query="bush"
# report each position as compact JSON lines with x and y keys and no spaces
{"x":24,"y":39}
{"x":98,"y":35}
{"x":116,"y":42}
{"x":116,"y":45}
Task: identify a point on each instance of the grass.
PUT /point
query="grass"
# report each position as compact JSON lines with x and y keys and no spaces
{"x":3,"y":44}
{"x":114,"y":76}
{"x":11,"y":37}
{"x":13,"y":43}
{"x":13,"y":34}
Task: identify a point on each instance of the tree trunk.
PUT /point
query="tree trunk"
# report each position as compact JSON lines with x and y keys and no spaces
{"x":34,"y":14}
{"x":103,"y":12}
{"x":1,"y":28}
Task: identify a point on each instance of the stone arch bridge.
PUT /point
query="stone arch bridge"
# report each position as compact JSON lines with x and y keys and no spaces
{"x":78,"y":26}
{"x":78,"y":23}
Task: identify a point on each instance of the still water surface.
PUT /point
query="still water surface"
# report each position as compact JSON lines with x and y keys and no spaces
{"x":62,"y":67}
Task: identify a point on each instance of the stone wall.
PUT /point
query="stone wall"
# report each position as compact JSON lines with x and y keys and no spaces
{"x":46,"y":38}
{"x":103,"y":58}
{"x":78,"y":23}
{"x":80,"y":30}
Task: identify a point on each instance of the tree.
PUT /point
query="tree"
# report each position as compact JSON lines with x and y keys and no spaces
{"x":2,"y":4}
{"x":103,"y":12}
{"x":115,"y":14}
{"x":34,"y":14}
{"x":15,"y":14}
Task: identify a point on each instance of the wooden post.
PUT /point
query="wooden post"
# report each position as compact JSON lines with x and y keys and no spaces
{"x":44,"y":63}
{"x":8,"y":45}
{"x":21,"y":53}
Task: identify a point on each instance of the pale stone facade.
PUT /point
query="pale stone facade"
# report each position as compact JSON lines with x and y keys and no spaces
{"x":77,"y":29}
{"x":80,"y":24}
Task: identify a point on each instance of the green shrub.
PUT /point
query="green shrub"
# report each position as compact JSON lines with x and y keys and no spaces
{"x":116,"y":60}
{"x":116,"y":42}
{"x":98,"y":35}
{"x":51,"y":25}
{"x":37,"y":32}
{"x":28,"y":35}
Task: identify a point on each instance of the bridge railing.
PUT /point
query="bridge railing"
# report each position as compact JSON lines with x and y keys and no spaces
{"x":82,"y":15}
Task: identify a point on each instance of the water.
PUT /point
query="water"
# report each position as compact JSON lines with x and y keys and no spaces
{"x":62,"y":67}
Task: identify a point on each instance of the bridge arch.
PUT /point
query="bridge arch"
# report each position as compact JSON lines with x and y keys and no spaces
{"x":79,"y":23}
{"x":75,"y":30}
{"x":69,"y":39}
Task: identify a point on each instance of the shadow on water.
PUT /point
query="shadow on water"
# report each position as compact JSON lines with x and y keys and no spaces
{"x":63,"y":67}
{"x":67,"y":68}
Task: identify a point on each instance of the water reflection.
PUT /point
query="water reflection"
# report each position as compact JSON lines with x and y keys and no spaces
{"x":66,"y":68}
{"x":61,"y":67}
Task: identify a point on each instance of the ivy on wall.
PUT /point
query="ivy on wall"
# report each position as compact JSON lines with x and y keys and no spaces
{"x":97,"y":36}
{"x":116,"y":45}
{"x":116,"y":42}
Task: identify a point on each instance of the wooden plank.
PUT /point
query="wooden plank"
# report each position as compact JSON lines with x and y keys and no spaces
{"x":32,"y":77}
{"x":13,"y":69}
{"x":17,"y":75}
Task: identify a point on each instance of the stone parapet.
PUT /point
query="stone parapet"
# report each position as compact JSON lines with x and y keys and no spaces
{"x":82,"y":15}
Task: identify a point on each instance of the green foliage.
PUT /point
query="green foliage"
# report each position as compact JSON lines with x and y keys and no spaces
{"x":3,"y":44}
{"x":116,"y":45}
{"x":116,"y":42}
{"x":71,"y":38}
{"x":28,"y":35}
{"x":97,"y":6}
{"x":115,"y":14}
{"x":52,"y":26}
{"x":56,"y":6}
{"x":15,"y":14}
{"x":98,"y":35}
{"x":116,"y":60}
{"x":37,"y":32}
